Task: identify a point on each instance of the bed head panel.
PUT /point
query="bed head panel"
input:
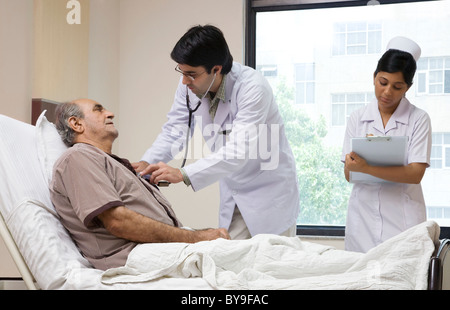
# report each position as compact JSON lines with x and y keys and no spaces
{"x":39,"y":105}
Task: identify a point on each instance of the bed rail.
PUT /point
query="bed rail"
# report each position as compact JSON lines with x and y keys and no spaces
{"x":435,"y":274}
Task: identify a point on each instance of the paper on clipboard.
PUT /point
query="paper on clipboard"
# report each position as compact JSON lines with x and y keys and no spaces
{"x":378,"y":151}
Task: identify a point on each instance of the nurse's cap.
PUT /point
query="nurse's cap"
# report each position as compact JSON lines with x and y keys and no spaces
{"x":405,"y":45}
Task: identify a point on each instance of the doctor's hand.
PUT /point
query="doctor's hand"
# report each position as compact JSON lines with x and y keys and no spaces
{"x":139,"y":166}
{"x":163,"y":172}
{"x":355,"y":163}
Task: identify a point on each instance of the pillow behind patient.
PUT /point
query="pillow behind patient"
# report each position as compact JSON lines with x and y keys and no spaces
{"x":49,"y":145}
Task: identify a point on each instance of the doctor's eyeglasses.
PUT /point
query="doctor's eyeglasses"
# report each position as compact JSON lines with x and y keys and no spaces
{"x":192,"y":76}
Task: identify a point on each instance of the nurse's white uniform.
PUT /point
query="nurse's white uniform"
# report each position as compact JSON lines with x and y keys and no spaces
{"x":379,"y":211}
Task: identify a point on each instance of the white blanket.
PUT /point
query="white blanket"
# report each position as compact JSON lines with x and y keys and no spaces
{"x":274,"y":262}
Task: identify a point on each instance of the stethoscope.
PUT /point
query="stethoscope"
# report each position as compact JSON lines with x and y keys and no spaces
{"x":191,"y":112}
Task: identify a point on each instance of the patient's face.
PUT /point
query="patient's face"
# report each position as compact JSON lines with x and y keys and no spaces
{"x":98,"y":121}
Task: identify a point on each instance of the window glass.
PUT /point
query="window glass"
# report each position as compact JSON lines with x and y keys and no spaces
{"x":324,"y":60}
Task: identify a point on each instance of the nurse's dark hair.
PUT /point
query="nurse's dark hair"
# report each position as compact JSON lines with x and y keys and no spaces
{"x":203,"y":46}
{"x":394,"y":61}
{"x":63,"y":112}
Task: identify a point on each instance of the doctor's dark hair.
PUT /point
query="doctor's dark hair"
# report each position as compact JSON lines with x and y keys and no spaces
{"x":63,"y":112}
{"x":203,"y":46}
{"x":394,"y":61}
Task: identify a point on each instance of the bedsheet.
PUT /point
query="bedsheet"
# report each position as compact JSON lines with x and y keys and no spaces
{"x":275,"y":262}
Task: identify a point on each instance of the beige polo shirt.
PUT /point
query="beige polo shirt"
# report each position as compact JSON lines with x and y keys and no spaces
{"x":87,"y":181}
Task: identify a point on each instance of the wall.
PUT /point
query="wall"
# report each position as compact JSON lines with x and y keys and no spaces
{"x":16,"y":50}
{"x":60,"y":51}
{"x":104,"y":49}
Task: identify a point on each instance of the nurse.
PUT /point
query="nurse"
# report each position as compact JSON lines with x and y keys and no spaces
{"x":250,"y":156}
{"x":379,"y":211}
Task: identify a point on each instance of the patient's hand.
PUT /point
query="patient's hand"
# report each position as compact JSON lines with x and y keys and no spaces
{"x":139,"y":166}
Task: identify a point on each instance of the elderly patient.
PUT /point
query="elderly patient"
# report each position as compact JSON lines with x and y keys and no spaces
{"x":104,"y":205}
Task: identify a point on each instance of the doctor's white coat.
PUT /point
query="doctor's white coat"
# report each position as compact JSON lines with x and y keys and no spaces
{"x":250,"y":155}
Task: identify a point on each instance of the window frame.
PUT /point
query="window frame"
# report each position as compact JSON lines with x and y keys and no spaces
{"x":252,"y":7}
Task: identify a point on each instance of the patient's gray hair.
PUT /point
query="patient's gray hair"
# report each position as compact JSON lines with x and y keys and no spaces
{"x":63,"y":112}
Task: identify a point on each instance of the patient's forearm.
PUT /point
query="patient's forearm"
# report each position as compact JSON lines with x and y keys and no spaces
{"x":133,"y":226}
{"x":127,"y":224}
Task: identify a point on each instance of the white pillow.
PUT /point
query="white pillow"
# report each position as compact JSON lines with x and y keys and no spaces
{"x":49,"y":145}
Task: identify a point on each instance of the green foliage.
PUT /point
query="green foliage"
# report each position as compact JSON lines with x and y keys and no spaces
{"x":324,"y":192}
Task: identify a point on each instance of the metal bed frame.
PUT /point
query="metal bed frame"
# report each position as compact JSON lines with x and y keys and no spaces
{"x":438,"y":267}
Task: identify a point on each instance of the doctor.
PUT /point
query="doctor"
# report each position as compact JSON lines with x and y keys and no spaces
{"x":250,"y":156}
{"x":379,"y":211}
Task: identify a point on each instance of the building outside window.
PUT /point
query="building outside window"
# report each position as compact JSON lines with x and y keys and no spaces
{"x":304,"y":83}
{"x":343,"y":104}
{"x":440,"y":151}
{"x":356,"y":38}
{"x":433,"y":75}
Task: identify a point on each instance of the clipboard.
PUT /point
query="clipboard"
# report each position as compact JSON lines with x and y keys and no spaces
{"x":378,"y":151}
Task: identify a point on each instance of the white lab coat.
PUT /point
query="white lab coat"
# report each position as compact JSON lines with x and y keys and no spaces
{"x":263,"y":187}
{"x":379,"y":211}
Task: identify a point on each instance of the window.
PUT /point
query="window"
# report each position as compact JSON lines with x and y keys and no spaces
{"x":433,"y":75}
{"x":356,"y":38}
{"x":304,"y":83}
{"x":342,"y":105}
{"x":325,"y":53}
{"x":439,"y":213}
{"x":268,"y":70}
{"x":440,"y":150}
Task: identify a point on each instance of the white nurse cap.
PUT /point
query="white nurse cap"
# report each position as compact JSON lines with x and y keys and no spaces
{"x":405,"y":45}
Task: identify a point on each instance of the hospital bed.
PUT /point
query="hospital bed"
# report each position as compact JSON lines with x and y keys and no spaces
{"x":47,"y":258}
